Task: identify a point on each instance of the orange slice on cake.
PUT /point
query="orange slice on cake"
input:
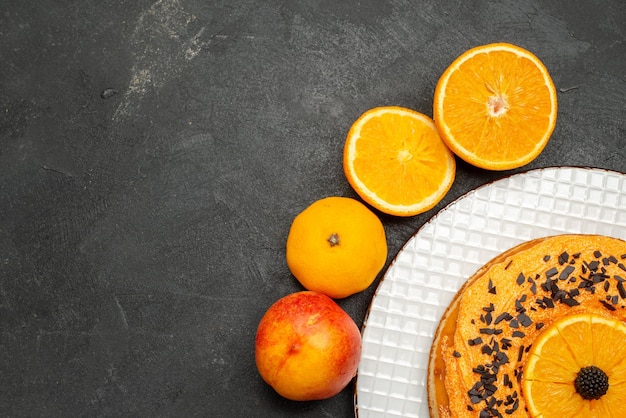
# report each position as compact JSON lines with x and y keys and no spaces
{"x":577,"y":368}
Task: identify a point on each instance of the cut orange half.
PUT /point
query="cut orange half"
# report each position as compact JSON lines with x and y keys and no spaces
{"x":396,"y":161}
{"x":577,"y":368}
{"x":495,"y":106}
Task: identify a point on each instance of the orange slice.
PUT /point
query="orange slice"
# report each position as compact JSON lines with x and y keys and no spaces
{"x":495,"y":106}
{"x":396,"y":161}
{"x":566,"y":363}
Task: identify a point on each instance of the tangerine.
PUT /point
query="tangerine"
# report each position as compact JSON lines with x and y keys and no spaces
{"x":336,"y":246}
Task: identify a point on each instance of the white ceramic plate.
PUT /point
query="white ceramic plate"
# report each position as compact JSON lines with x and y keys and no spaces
{"x":436,"y":261}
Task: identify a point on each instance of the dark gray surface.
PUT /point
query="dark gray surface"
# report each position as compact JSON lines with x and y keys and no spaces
{"x":142,"y":235}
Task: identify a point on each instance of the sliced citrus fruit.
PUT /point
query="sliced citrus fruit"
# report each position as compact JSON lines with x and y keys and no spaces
{"x":396,"y":161}
{"x":495,"y":106}
{"x":577,"y":368}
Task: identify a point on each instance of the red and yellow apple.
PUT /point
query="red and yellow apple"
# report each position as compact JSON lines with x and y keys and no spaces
{"x":307,"y":347}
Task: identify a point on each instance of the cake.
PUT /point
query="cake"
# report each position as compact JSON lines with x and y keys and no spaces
{"x":482,"y":342}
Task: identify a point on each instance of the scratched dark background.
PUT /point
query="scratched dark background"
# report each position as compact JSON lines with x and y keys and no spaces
{"x":154,"y":153}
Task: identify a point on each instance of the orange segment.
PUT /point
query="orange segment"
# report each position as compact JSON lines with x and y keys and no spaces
{"x":619,"y":372}
{"x":607,"y":356}
{"x":553,"y":400}
{"x":577,"y":333}
{"x":496,"y":107}
{"x":553,"y":371}
{"x":557,"y":357}
{"x":553,"y":354}
{"x":615,"y":408}
{"x":396,"y":161}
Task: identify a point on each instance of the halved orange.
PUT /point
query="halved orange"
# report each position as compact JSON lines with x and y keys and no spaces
{"x":396,"y":161}
{"x":577,"y":368}
{"x":495,"y":106}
